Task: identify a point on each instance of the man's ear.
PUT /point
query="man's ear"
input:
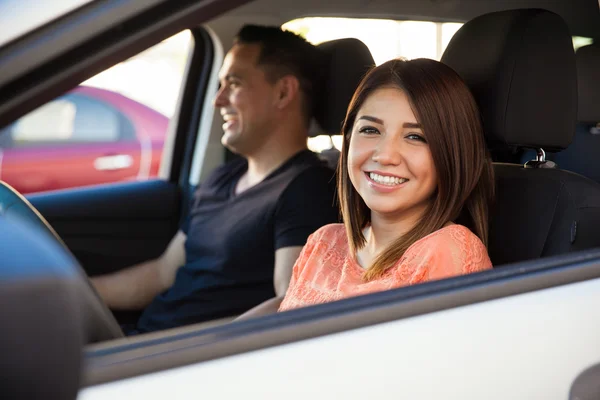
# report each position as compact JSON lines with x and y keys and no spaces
{"x":287,"y":90}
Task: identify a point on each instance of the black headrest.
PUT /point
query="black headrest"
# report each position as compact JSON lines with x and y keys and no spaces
{"x":520,"y":66}
{"x":588,"y":83}
{"x":348,"y":60}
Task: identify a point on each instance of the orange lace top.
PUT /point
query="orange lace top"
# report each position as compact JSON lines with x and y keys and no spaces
{"x":326,"y":271}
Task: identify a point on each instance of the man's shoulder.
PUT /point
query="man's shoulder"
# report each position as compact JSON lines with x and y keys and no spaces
{"x":311,"y":172}
{"x":316,"y":182}
{"x":306,"y":160}
{"x":230,"y":168}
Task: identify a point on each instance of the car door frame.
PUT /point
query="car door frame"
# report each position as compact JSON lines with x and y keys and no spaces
{"x":125,"y":364}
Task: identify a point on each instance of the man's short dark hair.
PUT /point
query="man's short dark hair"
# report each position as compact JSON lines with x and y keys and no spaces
{"x":285,"y":53}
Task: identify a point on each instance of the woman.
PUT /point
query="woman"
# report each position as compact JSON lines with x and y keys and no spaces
{"x":415,"y":183}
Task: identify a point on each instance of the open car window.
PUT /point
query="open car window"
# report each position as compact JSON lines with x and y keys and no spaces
{"x":111,"y":128}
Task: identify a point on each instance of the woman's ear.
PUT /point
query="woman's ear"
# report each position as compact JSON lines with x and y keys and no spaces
{"x":287,"y":90}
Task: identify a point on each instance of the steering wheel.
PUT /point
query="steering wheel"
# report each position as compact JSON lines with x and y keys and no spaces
{"x":100,"y":325}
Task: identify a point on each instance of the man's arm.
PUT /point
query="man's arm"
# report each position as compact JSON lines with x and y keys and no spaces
{"x":285,"y":259}
{"x":134,"y":288}
{"x":266,"y":307}
{"x":307,"y":204}
{"x":284,"y":264}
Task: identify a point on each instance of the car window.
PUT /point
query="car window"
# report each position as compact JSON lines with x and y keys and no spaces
{"x":70,"y":119}
{"x":406,"y":39}
{"x":117,"y":119}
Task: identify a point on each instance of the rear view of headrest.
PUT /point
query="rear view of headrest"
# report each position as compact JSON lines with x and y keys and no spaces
{"x":520,"y":66}
{"x":588,"y":83}
{"x":348,"y":60}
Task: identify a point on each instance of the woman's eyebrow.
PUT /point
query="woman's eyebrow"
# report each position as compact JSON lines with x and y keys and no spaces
{"x":412,"y":125}
{"x":372,"y":119}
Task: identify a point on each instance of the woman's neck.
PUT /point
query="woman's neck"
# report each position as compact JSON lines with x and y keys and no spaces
{"x":382,"y":232}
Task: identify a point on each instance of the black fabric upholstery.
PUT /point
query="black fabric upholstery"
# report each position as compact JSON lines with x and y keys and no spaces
{"x":582,"y":155}
{"x":588,"y":84}
{"x":521,"y":69}
{"x":542,"y":212}
{"x":520,"y":66}
{"x":349,"y":60}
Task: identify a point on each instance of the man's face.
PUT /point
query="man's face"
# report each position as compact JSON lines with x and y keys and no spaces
{"x":246,"y":100}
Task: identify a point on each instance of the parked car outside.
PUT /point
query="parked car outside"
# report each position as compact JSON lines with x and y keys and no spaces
{"x":85,"y":137}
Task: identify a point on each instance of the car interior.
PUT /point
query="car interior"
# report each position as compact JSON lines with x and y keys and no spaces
{"x":539,"y":100}
{"x":579,"y":156}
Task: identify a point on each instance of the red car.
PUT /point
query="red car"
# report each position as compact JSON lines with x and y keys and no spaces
{"x":88,"y":136}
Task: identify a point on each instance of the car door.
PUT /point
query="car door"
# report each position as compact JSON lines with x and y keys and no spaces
{"x":111,"y":226}
{"x":527,"y":331}
{"x":75,"y":140}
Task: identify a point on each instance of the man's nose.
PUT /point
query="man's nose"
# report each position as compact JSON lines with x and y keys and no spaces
{"x":221,"y":99}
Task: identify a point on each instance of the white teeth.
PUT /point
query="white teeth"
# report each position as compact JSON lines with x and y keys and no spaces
{"x":387,"y":180}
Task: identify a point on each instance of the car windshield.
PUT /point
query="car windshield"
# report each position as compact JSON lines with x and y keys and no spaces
{"x":14,"y":22}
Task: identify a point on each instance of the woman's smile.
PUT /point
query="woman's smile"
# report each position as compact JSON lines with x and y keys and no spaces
{"x":389,"y":161}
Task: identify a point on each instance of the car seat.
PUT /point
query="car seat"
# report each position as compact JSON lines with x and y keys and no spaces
{"x":349,"y":60}
{"x":582,"y":155}
{"x":520,"y":66}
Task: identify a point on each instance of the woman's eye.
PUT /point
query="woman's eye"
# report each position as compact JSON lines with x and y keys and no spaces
{"x":416,"y":136}
{"x":368,"y":130}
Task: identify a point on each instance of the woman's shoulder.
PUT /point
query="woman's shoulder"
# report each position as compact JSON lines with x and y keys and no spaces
{"x":453,"y":239}
{"x":452,"y":235}
{"x":449,"y":251}
{"x":327,"y":240}
{"x":464,"y":243}
{"x":329,"y":232}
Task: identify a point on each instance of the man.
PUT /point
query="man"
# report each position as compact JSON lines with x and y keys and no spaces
{"x":251,"y":217}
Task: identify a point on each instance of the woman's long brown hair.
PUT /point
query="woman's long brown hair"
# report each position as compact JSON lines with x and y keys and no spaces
{"x":446,"y":109}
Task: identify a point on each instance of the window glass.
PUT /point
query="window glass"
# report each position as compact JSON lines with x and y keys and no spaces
{"x":153,"y":77}
{"x":95,"y":122}
{"x":386,"y":39}
{"x":110,"y":128}
{"x":580,"y":41}
{"x":407,"y":39}
{"x":71,"y":119}
{"x":52,"y":122}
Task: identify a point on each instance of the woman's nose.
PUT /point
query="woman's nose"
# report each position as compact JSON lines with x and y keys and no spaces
{"x":388,"y":152}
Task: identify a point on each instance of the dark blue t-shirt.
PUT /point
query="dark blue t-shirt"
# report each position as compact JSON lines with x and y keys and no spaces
{"x":231,"y":239}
